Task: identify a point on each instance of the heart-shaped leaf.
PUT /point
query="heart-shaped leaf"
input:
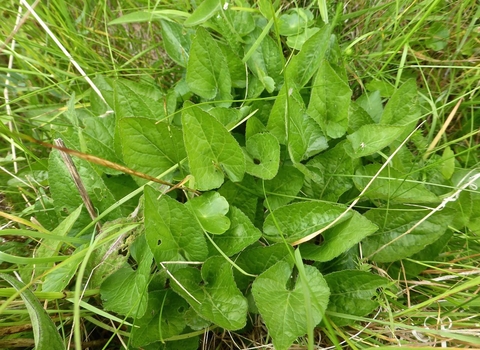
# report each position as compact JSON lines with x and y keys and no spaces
{"x":263,"y":156}
{"x":210,"y":210}
{"x":283,"y":308}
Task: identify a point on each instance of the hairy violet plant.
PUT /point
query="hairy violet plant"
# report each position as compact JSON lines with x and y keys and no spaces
{"x":273,"y":211}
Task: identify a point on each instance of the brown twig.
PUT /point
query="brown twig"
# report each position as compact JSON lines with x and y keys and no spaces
{"x":100,"y":161}
{"x":72,"y":169}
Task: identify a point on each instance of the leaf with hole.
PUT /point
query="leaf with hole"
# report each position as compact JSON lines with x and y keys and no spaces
{"x":262,"y":154}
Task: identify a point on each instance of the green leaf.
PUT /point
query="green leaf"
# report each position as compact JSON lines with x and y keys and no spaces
{"x":58,"y":280}
{"x":203,"y":12}
{"x":333,"y":169}
{"x":282,"y":108}
{"x":339,"y":239}
{"x":282,"y":308}
{"x":165,"y":319}
{"x":177,"y":41}
{"x":448,"y":164}
{"x":44,"y":330}
{"x":402,"y":108}
{"x":283,"y":188}
{"x":133,"y":99}
{"x":385,"y":88}
{"x":413,"y":266}
{"x":242,"y":195}
{"x":65,"y":193}
{"x":294,"y":21}
{"x":267,"y":61}
{"x":99,"y":138}
{"x":330,"y":100}
{"x":254,"y":126}
{"x":241,"y":233}
{"x":372,"y":104}
{"x":296,"y":41}
{"x":242,"y":21}
{"x":51,"y":247}
{"x":222,"y":24}
{"x":390,"y":243}
{"x":289,"y":123}
{"x":305,"y":137}
{"x":262,"y":156}
{"x":371,"y":138}
{"x":172,"y":232}
{"x":357,"y":117}
{"x":304,"y":65}
{"x":352,"y":292}
{"x":217,"y":296}
{"x":210,"y":209}
{"x":229,"y":117}
{"x":393,"y":186}
{"x":257,"y":259}
{"x":133,"y":17}
{"x":236,"y":67}
{"x":125,"y":291}
{"x":297,"y":220}
{"x":439,"y":35}
{"x":150,"y":147}
{"x":207,"y":69}
{"x":211,"y":149}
